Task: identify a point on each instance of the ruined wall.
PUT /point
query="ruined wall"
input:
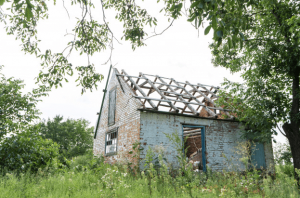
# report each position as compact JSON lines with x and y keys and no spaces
{"x":269,"y":156}
{"x":221,"y":137}
{"x":127,"y":118}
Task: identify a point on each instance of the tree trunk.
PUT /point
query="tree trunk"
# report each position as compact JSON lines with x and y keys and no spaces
{"x":292,"y":129}
{"x":294,"y":141}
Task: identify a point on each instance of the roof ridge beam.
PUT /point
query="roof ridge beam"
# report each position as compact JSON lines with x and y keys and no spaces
{"x":167,"y":100}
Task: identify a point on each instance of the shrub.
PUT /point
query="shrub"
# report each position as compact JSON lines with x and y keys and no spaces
{"x":86,"y":162}
{"x":28,"y":151}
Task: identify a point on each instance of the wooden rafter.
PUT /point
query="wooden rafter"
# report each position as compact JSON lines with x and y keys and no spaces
{"x":173,"y":94}
{"x":179,"y":97}
{"x":200,"y":103}
{"x":140,"y":90}
{"x":158,"y":91}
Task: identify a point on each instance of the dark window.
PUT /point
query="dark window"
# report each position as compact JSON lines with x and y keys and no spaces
{"x":112,"y":107}
{"x":111,"y":140}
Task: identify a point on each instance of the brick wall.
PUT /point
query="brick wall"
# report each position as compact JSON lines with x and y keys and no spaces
{"x":127,"y":118}
{"x":222,"y":139}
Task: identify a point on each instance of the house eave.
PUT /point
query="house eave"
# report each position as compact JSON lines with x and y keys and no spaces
{"x":185,"y":115}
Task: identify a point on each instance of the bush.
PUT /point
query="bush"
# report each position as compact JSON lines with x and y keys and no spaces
{"x":73,"y":136}
{"x":86,"y":162}
{"x":28,"y":151}
{"x":287,"y":169}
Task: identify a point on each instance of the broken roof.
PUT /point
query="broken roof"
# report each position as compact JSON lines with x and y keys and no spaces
{"x":167,"y":94}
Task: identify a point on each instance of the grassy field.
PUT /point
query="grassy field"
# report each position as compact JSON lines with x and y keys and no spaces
{"x":118,"y":181}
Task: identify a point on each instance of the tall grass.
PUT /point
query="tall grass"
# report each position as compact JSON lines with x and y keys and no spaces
{"x":90,"y":177}
{"x":116,"y":181}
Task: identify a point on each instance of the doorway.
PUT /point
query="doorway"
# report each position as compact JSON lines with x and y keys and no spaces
{"x":194,"y":141}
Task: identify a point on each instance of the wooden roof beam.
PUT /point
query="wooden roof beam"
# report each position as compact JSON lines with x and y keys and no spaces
{"x":140,"y":90}
{"x":167,"y":100}
{"x":158,"y":91}
{"x":180,"y":98}
{"x":208,"y":110}
{"x":209,"y":100}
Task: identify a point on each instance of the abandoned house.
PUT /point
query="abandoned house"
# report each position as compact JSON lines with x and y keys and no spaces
{"x":145,"y":108}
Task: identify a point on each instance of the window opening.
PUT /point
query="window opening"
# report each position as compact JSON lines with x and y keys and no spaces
{"x":111,"y":141}
{"x":112,"y":107}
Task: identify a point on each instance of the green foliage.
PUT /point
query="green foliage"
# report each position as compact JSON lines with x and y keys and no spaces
{"x":282,"y":153}
{"x":17,"y":110}
{"x":86,"y":162}
{"x":258,"y":40}
{"x":74,"y":136}
{"x":88,"y":176}
{"x":115,"y":181}
{"x":27,"y":151}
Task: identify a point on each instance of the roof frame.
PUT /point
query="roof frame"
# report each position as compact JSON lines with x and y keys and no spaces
{"x":173,"y":95}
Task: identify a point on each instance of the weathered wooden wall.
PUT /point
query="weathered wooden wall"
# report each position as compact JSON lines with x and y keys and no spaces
{"x":127,"y":118}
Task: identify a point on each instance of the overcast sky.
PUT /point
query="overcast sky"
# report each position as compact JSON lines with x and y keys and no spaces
{"x":180,"y":53}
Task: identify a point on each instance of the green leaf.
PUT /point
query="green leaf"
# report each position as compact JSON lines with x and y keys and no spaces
{"x":2,"y":2}
{"x":220,"y":33}
{"x":219,"y":42}
{"x":200,"y":5}
{"x":229,"y":42}
{"x":28,"y":14}
{"x":241,"y":43}
{"x":192,"y":18}
{"x":242,"y":35}
{"x":207,"y":29}
{"x":18,"y":6}
{"x":194,"y":4}
{"x":214,"y":22}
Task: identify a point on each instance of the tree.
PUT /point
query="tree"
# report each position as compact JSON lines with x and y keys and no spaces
{"x":28,"y":151}
{"x":74,"y":136}
{"x":259,"y":38}
{"x":17,"y":110}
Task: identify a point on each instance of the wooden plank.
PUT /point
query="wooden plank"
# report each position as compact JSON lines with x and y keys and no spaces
{"x":168,"y":85}
{"x":164,"y":94}
{"x":128,"y":76}
{"x":208,"y":110}
{"x":211,"y":101}
{"x":180,"y":98}
{"x":187,"y":96}
{"x":156,"y":76}
{"x":190,"y":101}
{"x":158,"y":91}
{"x":140,"y":90}
{"x":152,"y":90}
{"x":202,"y":85}
{"x":144,"y":83}
{"x":193,"y":131}
{"x":207,"y":98}
{"x":167,"y":100}
{"x":192,"y":134}
{"x":212,"y":93}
